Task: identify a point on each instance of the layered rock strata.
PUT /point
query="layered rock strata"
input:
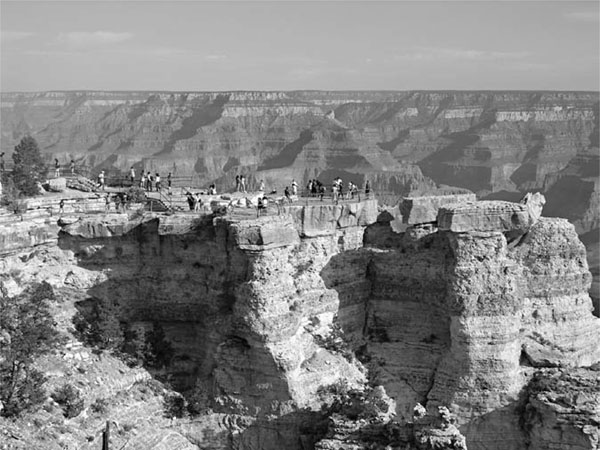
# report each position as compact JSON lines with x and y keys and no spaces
{"x":270,"y":315}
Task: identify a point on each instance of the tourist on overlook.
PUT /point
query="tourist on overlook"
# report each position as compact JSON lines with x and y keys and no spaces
{"x":367,"y":189}
{"x":56,"y":168}
{"x":190,"y":200}
{"x":243,"y":184}
{"x":132,"y":175}
{"x":197,"y":202}
{"x":107,"y":203}
{"x":237,"y":183}
{"x":101,"y":180}
{"x":169,"y":180}
{"x":143,"y":181}
{"x":72,"y":167}
{"x":157,"y":182}
{"x":212,"y":190}
{"x":334,"y":192}
{"x":294,"y":187}
{"x":261,"y":188}
{"x":61,"y":206}
{"x":286,"y":192}
{"x":149,"y":182}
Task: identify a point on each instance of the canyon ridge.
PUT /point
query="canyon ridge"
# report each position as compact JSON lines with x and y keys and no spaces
{"x":497,"y":144}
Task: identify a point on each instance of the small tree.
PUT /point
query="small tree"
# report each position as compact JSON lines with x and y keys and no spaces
{"x":27,"y":330}
{"x":29,"y":169}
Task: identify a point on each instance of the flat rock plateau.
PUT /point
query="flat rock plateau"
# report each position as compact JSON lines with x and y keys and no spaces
{"x":497,"y":144}
{"x":445,"y":323}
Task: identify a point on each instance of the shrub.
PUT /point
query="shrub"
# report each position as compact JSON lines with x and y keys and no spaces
{"x":136,"y":195}
{"x":100,"y":406}
{"x":101,"y":327}
{"x":69,"y":398}
{"x":27,"y":331}
{"x":174,"y":406}
{"x":197,"y":399}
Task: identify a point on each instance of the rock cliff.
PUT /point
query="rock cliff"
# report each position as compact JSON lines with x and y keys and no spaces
{"x":322,"y":327}
{"x":496,"y":144}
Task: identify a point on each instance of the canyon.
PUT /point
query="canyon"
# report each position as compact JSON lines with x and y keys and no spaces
{"x":497,"y":144}
{"x":445,"y":323}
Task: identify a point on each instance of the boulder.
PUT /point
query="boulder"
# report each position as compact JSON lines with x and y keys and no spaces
{"x":484,"y":216}
{"x":56,"y":184}
{"x":416,"y":210}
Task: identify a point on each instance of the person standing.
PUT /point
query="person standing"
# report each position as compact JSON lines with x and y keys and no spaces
{"x":294,"y":187}
{"x":157,"y":182}
{"x":101,"y":180}
{"x":367,"y":189}
{"x":132,"y":175}
{"x":56,"y":168}
{"x":61,"y":206}
{"x":72,"y":167}
{"x":261,"y":188}
{"x":243,"y":184}
{"x":149,"y":182}
{"x":143,"y":181}
{"x":169,"y":180}
{"x":237,"y":183}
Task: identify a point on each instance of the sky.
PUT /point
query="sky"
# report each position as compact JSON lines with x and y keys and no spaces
{"x":304,"y":45}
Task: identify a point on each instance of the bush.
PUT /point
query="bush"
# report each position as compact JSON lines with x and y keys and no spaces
{"x":12,"y":199}
{"x":70,"y":399}
{"x":136,"y":195}
{"x":27,"y":331}
{"x":174,"y":406}
{"x":100,"y":406}
{"x":197,"y":399}
{"x":101,"y":328}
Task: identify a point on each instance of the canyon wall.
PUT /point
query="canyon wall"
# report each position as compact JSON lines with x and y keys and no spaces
{"x":496,"y":144}
{"x":270,"y":316}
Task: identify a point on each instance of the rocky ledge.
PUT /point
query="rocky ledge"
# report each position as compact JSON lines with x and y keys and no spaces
{"x":322,"y":327}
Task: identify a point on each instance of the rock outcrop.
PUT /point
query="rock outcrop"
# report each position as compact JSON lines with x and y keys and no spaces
{"x":498,"y":145}
{"x":323,"y":328}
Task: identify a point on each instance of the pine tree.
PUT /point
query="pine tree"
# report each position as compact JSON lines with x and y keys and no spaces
{"x":29,"y":169}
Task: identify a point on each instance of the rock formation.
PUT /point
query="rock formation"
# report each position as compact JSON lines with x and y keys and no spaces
{"x":498,"y":145}
{"x":323,"y":328}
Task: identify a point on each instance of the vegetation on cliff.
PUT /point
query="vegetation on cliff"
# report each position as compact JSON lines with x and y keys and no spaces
{"x":27,"y":330}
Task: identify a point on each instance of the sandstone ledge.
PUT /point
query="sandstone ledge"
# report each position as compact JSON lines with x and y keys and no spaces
{"x":484,"y":216}
{"x":416,"y":210}
{"x":323,"y":219}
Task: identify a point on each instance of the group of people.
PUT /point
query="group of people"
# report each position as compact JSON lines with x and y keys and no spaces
{"x":121,"y":200}
{"x":315,"y":188}
{"x":194,"y":201}
{"x":337,"y":189}
{"x":240,"y":183}
{"x":147,"y":181}
{"x":57,"y":167}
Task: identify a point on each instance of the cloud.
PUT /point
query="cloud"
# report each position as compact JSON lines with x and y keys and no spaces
{"x":584,"y":16}
{"x":11,"y":36}
{"x":438,"y":53}
{"x":79,"y":40}
{"x":215,"y":57}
